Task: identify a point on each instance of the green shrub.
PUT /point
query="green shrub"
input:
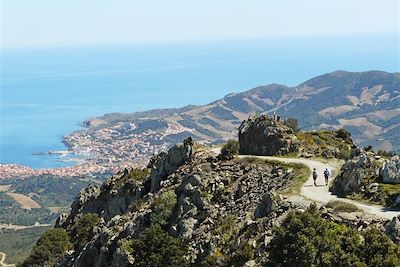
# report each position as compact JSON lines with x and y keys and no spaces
{"x":229,"y":150}
{"x":156,"y":248}
{"x":341,"y":206}
{"x":215,"y":259}
{"x":386,"y":154}
{"x":126,"y":245}
{"x":344,"y":154}
{"x":306,"y":239}
{"x":344,"y":135}
{"x":226,"y":227}
{"x":49,"y":249}
{"x":82,"y":230}
{"x":293,"y":124}
{"x":162,"y":208}
{"x":136,"y":174}
{"x":378,"y":250}
{"x":242,"y":255}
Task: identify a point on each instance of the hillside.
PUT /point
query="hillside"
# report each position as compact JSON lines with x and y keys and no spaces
{"x":366,"y":103}
{"x":190,"y":208}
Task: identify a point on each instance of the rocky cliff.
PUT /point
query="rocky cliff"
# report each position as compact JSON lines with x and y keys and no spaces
{"x":266,"y":136}
{"x":371,"y":176}
{"x":217,"y":206}
{"x":366,"y":103}
{"x":190,"y":208}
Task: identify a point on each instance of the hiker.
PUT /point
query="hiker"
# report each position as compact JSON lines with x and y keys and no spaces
{"x":326,"y":174}
{"x":315,"y":175}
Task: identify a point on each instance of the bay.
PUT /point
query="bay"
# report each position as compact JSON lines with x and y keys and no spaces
{"x":47,"y":92}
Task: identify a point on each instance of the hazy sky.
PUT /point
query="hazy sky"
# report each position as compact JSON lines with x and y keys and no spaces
{"x":26,"y":23}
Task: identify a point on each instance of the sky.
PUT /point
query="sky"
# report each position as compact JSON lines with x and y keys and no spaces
{"x":43,"y":23}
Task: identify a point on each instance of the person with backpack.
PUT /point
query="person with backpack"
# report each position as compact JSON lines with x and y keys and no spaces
{"x":315,"y":175}
{"x":326,"y":174}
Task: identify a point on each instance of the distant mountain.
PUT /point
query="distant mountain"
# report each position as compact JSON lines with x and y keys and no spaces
{"x":366,"y":103}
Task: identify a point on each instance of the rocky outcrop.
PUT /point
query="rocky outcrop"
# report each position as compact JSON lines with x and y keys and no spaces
{"x":368,"y":175}
{"x":164,"y":164}
{"x":266,"y":136}
{"x":117,"y":194}
{"x":390,"y":171}
{"x":218,"y":206}
{"x":353,"y":174}
{"x":267,"y":204}
{"x":393,"y":229}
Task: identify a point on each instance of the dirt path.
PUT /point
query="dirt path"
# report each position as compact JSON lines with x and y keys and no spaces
{"x":3,"y":259}
{"x":321,"y":193}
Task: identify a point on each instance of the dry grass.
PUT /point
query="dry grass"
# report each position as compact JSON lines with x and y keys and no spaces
{"x":341,"y":206}
{"x":25,"y":201}
{"x":4,"y":188}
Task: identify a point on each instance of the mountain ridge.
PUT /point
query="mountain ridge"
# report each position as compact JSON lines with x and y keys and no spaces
{"x":366,"y":103}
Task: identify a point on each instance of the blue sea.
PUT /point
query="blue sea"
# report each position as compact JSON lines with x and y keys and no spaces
{"x":47,"y":92}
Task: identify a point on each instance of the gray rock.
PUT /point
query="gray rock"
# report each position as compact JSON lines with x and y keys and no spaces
{"x":390,"y":171}
{"x":266,"y":136}
{"x":373,"y":188}
{"x":393,"y":229}
{"x":165,"y":164}
{"x":62,"y":218}
{"x":267,"y":204}
{"x":251,"y":263}
{"x":352,"y":174}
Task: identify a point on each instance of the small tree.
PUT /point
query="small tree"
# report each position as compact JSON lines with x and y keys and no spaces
{"x":155,"y":247}
{"x":306,"y":239}
{"x":293,"y":124}
{"x":379,"y":250}
{"x":82,"y":230}
{"x":162,"y":208}
{"x":344,"y":135}
{"x":49,"y":249}
{"x":229,"y":150}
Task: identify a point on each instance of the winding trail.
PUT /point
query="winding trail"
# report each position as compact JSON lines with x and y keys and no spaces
{"x":321,"y":194}
{"x":2,"y":261}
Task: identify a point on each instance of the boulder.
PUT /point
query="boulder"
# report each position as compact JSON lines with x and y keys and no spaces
{"x":393,"y":229}
{"x":267,"y":204}
{"x":266,"y":136}
{"x":62,"y":218}
{"x":165,"y":164}
{"x":390,"y":171}
{"x":352,"y":174}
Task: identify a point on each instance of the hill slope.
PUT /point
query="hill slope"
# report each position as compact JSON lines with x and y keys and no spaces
{"x":366,"y":103}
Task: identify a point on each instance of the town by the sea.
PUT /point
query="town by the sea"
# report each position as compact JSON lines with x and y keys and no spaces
{"x":47,"y":93}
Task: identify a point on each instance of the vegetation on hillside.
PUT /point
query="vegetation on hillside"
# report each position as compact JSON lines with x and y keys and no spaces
{"x":136,"y":174}
{"x":82,"y":230}
{"x":306,"y":239}
{"x":55,"y":242}
{"x":229,"y":150}
{"x":341,"y":206}
{"x":162,"y":208}
{"x":49,"y":249}
{"x":155,"y":247}
{"x":11,"y":212}
{"x":18,"y":243}
{"x":49,"y":190}
{"x":327,"y":143}
{"x":293,"y":124}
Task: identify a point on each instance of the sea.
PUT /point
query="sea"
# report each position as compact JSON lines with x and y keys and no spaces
{"x":47,"y":92}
